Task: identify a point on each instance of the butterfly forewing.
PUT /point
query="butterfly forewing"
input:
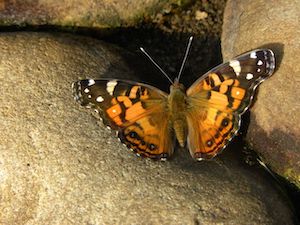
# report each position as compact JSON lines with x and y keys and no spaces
{"x":220,"y":97}
{"x":136,"y":111}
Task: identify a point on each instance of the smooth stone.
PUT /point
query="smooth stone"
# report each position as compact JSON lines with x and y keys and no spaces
{"x":274,"y":130}
{"x":81,"y":14}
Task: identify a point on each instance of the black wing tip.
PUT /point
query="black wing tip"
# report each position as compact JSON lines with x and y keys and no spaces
{"x":77,"y":90}
{"x":268,"y":56}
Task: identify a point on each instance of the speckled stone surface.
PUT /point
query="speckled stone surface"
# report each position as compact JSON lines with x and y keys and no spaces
{"x":59,"y":165}
{"x":78,"y":13}
{"x":274,"y":129}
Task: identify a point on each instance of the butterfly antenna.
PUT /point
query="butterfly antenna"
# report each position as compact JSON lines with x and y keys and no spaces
{"x":161,"y":70}
{"x":185,"y":57}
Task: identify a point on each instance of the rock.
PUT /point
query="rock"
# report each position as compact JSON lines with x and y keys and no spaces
{"x":58,"y":165}
{"x":274,"y":130}
{"x":97,"y":14}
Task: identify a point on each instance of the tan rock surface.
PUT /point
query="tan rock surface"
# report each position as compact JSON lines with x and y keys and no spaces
{"x":97,"y":14}
{"x":59,"y":166}
{"x":274,"y":129}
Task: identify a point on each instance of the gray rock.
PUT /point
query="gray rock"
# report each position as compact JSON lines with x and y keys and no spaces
{"x":58,"y":165}
{"x":274,"y":130}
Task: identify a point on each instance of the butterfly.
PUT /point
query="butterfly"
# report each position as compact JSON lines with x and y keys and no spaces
{"x":207,"y":115}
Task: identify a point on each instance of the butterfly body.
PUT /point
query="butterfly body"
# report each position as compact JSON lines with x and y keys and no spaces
{"x":207,"y":115}
{"x":177,"y":106}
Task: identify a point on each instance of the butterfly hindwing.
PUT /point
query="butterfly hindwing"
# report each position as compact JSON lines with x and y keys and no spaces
{"x":217,"y":100}
{"x":136,"y":111}
{"x":209,"y":135}
{"x":150,"y":136}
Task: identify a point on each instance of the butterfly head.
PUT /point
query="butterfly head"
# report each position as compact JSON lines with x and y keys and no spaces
{"x":177,"y":86}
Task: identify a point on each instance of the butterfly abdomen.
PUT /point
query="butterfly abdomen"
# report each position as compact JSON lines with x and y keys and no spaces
{"x":180,"y":131}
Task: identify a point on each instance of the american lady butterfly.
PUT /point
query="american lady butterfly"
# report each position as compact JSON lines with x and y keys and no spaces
{"x":207,"y":115}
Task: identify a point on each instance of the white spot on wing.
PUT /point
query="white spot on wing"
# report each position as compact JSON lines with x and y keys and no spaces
{"x":86,"y":90}
{"x":91,"y":82}
{"x":259,"y":63}
{"x":99,"y":99}
{"x":235,"y":64}
{"x":249,"y":76}
{"x":253,"y":55}
{"x":89,"y":96}
{"x":110,"y":86}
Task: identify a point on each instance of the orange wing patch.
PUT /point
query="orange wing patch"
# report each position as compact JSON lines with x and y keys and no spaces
{"x":114,"y":113}
{"x":135,"y":109}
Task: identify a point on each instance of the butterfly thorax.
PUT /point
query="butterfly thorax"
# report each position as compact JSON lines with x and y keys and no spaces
{"x":177,"y":107}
